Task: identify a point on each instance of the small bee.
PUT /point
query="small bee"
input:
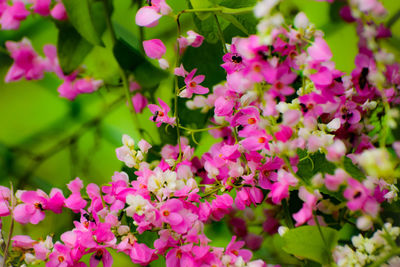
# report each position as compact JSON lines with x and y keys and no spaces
{"x":155,"y":116}
{"x":237,"y":59}
{"x":89,"y":217}
{"x":363,"y":78}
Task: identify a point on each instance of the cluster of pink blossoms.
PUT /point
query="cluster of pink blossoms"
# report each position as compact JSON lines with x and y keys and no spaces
{"x":29,"y":65}
{"x":282,"y":95}
{"x":11,"y":14}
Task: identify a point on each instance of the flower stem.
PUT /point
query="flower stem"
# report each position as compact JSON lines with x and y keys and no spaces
{"x":201,"y":130}
{"x":10,"y":233}
{"x":177,"y":89}
{"x":221,"y":34}
{"x":221,"y":9}
{"x":123,"y":74}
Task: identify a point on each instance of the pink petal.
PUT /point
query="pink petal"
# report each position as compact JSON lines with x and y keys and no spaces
{"x":154,"y":48}
{"x":147,"y":17}
{"x":320,"y":50}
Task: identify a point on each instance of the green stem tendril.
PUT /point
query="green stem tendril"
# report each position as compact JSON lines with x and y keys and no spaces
{"x":123,"y":74}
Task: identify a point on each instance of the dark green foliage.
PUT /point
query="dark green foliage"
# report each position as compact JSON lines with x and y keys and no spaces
{"x":71,"y":47}
{"x":87,"y":17}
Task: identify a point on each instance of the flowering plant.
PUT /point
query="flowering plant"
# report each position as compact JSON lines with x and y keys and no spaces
{"x":304,"y":160}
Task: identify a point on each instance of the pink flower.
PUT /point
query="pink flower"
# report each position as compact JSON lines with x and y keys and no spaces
{"x":142,"y":254}
{"x":280,"y":189}
{"x":67,"y":90}
{"x":234,"y":250}
{"x":323,"y":77}
{"x":58,"y":12}
{"x":41,"y":7}
{"x":180,"y":257}
{"x":284,"y":134}
{"x":223,"y":106}
{"x":360,"y":197}
{"x":194,"y":39}
{"x":180,"y":71}
{"x":154,"y":48}
{"x":102,"y":255}
{"x":23,"y":241}
{"x":12,"y":16}
{"x":220,"y":206}
{"x":56,"y":201}
{"x":246,"y":117}
{"x":280,"y":78}
{"x":5,"y":197}
{"x":336,"y":151}
{"x":233,"y":61}
{"x":32,"y":211}
{"x":161,"y":113}
{"x":139,"y":102}
{"x":171,"y":213}
{"x":332,"y":182}
{"x":319,"y":50}
{"x":148,"y":16}
{"x":87,"y":85}
{"x":27,"y":63}
{"x":75,"y":202}
{"x":60,"y":257}
{"x":192,"y":85}
{"x":71,"y":88}
{"x":247,"y":196}
{"x":255,"y":139}
{"x":310,"y":202}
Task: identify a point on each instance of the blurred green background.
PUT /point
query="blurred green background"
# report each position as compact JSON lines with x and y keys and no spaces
{"x":36,"y":125}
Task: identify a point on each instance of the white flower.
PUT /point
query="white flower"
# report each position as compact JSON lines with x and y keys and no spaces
{"x":137,"y":205}
{"x":333,"y":125}
{"x":128,"y":154}
{"x":301,"y":21}
{"x":263,"y":8}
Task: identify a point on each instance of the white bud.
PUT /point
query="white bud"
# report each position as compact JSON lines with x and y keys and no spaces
{"x":301,"y":21}
{"x":333,"y":125}
{"x":364,"y":223}
{"x":282,"y":230}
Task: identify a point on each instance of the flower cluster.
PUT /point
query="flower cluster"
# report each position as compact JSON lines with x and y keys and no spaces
{"x":29,"y":65}
{"x":283,"y":105}
{"x":368,"y":250}
{"x":12,"y":14}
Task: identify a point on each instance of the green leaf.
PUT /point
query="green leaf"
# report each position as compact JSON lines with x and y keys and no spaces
{"x":353,"y":170}
{"x":306,"y":242}
{"x":196,"y":4}
{"x":334,"y":10}
{"x":127,"y":52}
{"x":147,"y":75}
{"x":88,"y":18}
{"x":216,"y":2}
{"x":207,"y":59}
{"x":306,"y":170}
{"x":232,"y":19}
{"x":101,"y":64}
{"x":127,"y":56}
{"x":347,"y":232}
{"x":208,"y":28}
{"x":71,"y":48}
{"x":148,"y":238}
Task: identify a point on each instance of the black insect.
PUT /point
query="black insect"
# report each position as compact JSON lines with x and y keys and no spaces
{"x":362,"y":81}
{"x":155,"y":116}
{"x":237,"y":59}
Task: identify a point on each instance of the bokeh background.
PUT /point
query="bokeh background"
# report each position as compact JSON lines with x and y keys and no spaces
{"x":46,"y":141}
